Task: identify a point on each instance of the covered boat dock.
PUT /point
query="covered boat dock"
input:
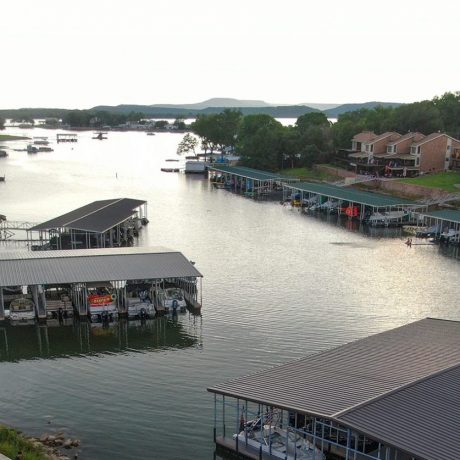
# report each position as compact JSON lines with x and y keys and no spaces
{"x":357,"y":203}
{"x":249,"y":181}
{"x":443,"y":221}
{"x":100,"y":224}
{"x":76,"y":271}
{"x":390,"y":396}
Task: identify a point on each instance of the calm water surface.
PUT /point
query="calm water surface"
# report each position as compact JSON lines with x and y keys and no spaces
{"x":277,"y":285}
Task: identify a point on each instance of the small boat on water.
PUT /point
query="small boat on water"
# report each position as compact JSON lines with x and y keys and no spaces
{"x":22,"y":310}
{"x":99,"y":135}
{"x":41,"y":141}
{"x":170,"y":169}
{"x":31,"y":148}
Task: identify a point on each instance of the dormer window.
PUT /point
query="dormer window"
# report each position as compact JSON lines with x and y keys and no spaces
{"x":390,"y":148}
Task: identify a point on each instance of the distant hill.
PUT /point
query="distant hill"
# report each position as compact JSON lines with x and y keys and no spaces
{"x":215,"y":105}
{"x":217,"y":102}
{"x":288,"y":111}
{"x":336,"y":111}
{"x":319,"y":106}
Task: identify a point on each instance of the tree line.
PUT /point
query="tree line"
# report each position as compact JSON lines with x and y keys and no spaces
{"x":262,"y":142}
{"x":439,"y":114}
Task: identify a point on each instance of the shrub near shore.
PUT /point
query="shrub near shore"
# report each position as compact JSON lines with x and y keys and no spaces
{"x":11,"y":442}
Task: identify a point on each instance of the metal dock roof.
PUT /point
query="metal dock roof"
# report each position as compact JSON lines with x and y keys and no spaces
{"x":400,"y":387}
{"x":448,"y":215}
{"x":92,"y":265}
{"x":98,"y":216}
{"x":353,"y":195}
{"x":250,"y":173}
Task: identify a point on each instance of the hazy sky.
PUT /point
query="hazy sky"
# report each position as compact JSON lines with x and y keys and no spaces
{"x":58,"y":53}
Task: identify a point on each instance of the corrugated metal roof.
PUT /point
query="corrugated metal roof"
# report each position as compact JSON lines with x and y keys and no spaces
{"x":360,"y":383}
{"x":352,"y":195}
{"x":250,"y":173}
{"x":422,"y":418}
{"x":98,"y":216}
{"x":448,"y":215}
{"x":78,"y":266}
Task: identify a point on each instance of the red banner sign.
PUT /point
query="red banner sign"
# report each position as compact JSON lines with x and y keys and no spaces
{"x":100,"y":299}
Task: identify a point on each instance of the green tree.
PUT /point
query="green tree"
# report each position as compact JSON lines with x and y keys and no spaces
{"x":218,"y":132}
{"x":179,"y":123}
{"x":161,"y":124}
{"x":28,"y":120}
{"x":312,"y":119}
{"x":421,"y":116}
{"x":260,"y":142}
{"x":206,"y":128}
{"x":2,"y":123}
{"x":449,"y":108}
{"x":187,"y":144}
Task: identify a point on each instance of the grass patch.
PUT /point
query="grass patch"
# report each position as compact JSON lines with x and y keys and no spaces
{"x":9,"y":137}
{"x":11,"y":442}
{"x":444,"y":181}
{"x":308,"y":174}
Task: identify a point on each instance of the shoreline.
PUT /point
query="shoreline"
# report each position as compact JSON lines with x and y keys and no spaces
{"x":46,"y":447}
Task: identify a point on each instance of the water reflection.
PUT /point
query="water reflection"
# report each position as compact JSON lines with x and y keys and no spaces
{"x":72,"y":337}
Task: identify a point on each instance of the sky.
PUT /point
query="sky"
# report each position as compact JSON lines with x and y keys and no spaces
{"x":58,"y":53}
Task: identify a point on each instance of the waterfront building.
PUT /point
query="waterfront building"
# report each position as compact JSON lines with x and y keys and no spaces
{"x":391,"y":154}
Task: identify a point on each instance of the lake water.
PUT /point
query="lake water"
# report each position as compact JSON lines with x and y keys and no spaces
{"x":277,"y":285}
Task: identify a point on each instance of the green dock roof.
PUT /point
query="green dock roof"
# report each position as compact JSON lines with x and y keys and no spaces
{"x":251,"y":173}
{"x":449,"y":215}
{"x":376,"y":200}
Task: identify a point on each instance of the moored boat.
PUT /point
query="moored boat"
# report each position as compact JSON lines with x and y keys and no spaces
{"x":22,"y":310}
{"x":140,"y":305}
{"x":101,"y":304}
{"x":277,"y":442}
{"x":171,"y":299}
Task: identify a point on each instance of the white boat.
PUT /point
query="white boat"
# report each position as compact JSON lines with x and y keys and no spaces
{"x":279,"y":443}
{"x":329,"y":205}
{"x":140,"y":306}
{"x":171,"y":299}
{"x":22,"y":310}
{"x":102,"y":304}
{"x":40,"y":141}
{"x":451,"y":236}
{"x":388,"y":218}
